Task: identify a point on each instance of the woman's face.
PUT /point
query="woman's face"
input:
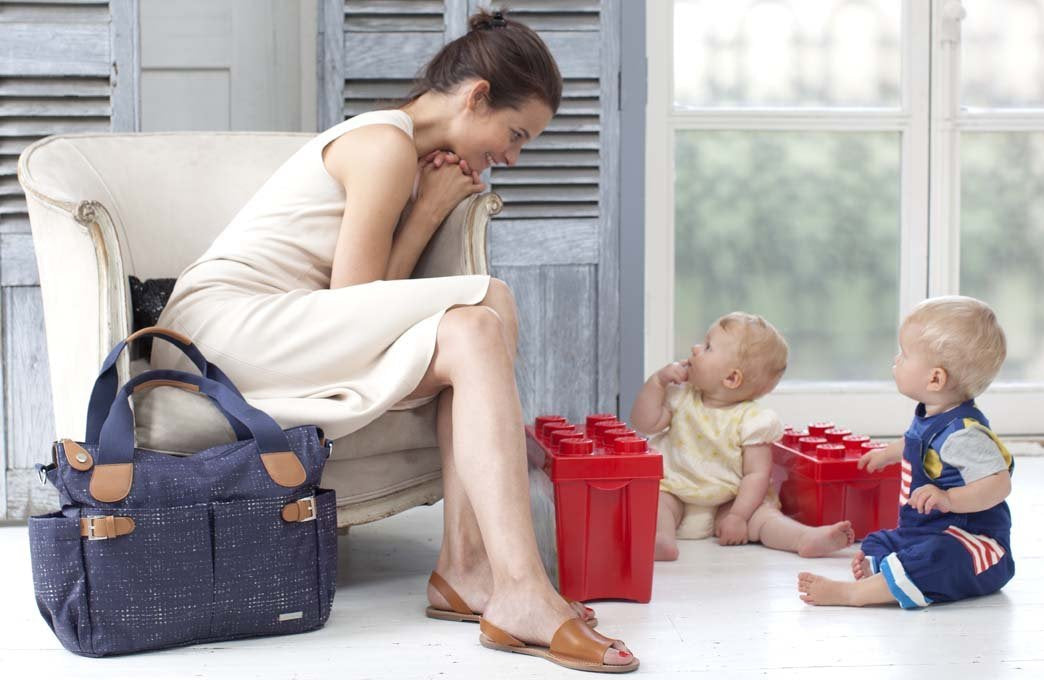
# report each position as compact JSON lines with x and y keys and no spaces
{"x":496,"y":136}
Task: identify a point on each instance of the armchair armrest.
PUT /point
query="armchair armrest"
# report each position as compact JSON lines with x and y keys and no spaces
{"x":460,"y":244}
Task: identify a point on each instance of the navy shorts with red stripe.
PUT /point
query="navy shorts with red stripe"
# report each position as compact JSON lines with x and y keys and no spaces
{"x":939,"y":567}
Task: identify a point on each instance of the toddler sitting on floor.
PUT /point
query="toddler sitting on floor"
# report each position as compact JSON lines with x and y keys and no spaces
{"x":954,"y":535}
{"x":716,"y":444}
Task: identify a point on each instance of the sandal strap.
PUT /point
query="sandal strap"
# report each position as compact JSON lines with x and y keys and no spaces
{"x":455,"y":601}
{"x":575,"y":639}
{"x":501,"y":637}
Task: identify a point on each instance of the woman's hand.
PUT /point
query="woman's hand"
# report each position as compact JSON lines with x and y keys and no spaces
{"x":444,"y":183}
{"x":438,"y":158}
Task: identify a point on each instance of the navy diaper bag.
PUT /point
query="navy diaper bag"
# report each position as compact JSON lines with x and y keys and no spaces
{"x":153,"y":550}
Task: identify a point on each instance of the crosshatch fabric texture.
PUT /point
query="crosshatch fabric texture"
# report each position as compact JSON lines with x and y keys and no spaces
{"x":211,"y":554}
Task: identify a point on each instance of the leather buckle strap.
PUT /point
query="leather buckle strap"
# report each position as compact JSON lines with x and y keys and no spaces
{"x":301,"y":510}
{"x":102,"y":527}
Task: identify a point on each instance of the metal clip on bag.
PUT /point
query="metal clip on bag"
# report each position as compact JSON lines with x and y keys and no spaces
{"x":152,"y":550}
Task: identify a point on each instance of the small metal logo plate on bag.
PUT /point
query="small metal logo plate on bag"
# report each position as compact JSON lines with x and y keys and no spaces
{"x":290,"y":616}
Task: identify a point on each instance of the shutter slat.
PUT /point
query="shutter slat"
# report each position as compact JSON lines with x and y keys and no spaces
{"x":550,"y":176}
{"x":54,"y":12}
{"x":548,"y":194}
{"x":14,"y":145}
{"x":55,"y":87}
{"x":405,"y":7}
{"x":540,"y":158}
{"x":13,"y":205}
{"x":73,"y":108}
{"x":522,"y":211}
{"x":54,"y":49}
{"x":42,"y":127}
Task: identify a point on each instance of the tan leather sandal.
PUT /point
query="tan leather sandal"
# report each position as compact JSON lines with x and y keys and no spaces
{"x":574,"y":645}
{"x":459,"y":610}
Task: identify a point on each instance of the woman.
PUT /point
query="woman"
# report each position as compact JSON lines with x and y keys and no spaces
{"x":306,"y":294}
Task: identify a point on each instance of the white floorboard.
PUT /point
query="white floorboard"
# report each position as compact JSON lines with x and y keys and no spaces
{"x":717,"y":612}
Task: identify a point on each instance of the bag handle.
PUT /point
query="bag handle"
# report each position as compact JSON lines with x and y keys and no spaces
{"x":113,"y":472}
{"x":104,"y":391}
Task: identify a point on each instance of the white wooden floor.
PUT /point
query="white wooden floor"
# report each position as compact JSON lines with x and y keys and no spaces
{"x":717,"y":612}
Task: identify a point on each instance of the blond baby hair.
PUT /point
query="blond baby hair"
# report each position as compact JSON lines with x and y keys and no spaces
{"x":762,"y":350}
{"x":963,"y":335}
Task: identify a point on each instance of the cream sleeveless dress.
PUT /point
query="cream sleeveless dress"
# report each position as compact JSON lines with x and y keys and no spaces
{"x":258,"y":304}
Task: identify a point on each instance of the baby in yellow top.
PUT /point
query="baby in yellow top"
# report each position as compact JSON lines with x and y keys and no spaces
{"x":716,"y":443}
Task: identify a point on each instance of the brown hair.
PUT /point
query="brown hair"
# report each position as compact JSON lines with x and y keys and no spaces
{"x":506,"y":53}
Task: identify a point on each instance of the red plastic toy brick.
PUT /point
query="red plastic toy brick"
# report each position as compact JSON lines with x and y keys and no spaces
{"x":819,"y":482}
{"x":606,"y":491}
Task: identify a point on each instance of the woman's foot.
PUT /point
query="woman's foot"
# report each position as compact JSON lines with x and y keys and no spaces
{"x":818,"y":590}
{"x":533,"y":614}
{"x":825,"y":540}
{"x":475,"y":587}
{"x":861,"y":566}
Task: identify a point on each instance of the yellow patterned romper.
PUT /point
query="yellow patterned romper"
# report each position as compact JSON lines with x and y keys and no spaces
{"x":703,"y":453}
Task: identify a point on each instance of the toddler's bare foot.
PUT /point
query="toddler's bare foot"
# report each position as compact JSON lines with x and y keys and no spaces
{"x":861,"y":566}
{"x":822,"y":541}
{"x":818,"y":590}
{"x":666,"y":548}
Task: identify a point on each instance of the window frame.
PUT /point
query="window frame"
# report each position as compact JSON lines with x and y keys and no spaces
{"x":928,"y":121}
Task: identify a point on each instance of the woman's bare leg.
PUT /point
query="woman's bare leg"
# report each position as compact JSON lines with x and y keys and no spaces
{"x":472,"y":356}
{"x":462,"y":559}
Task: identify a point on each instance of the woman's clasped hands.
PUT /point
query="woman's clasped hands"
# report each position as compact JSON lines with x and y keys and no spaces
{"x":445,"y":180}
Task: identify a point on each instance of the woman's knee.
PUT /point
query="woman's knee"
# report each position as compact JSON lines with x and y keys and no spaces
{"x":501,"y":300}
{"x":470,"y":333}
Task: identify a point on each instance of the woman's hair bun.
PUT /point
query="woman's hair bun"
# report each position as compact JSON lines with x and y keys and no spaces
{"x":484,"y":20}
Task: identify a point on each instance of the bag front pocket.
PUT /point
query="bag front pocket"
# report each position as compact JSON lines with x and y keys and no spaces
{"x":61,"y":595}
{"x":326,"y":532}
{"x":153,"y":587}
{"x":265,"y":572}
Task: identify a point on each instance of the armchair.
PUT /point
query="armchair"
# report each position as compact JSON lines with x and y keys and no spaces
{"x":105,"y":207}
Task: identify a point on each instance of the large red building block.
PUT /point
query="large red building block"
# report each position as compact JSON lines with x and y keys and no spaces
{"x":816,"y":475}
{"x":606,"y":492}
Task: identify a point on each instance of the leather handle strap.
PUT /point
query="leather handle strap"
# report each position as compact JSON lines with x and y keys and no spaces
{"x":113,"y":471}
{"x":105,"y":386}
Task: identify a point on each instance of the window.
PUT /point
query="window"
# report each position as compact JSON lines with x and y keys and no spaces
{"x":828,"y":164}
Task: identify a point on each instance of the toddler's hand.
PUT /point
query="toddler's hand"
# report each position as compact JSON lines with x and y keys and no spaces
{"x":873,"y":461}
{"x":732,"y":530}
{"x":674,"y":372}
{"x":928,"y":497}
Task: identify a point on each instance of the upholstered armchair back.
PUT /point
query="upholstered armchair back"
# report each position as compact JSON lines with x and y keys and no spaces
{"x":104,"y":207}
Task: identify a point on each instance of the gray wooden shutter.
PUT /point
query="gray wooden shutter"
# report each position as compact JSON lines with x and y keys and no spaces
{"x":555,"y":242}
{"x":65,"y":66}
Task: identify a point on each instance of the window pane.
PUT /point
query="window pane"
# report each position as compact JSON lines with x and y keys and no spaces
{"x":787,"y":53}
{"x":1002,"y":54}
{"x":1002,"y":239}
{"x":800,"y":227}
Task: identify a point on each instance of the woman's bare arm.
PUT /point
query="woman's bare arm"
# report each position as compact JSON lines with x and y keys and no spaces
{"x":376,"y":165}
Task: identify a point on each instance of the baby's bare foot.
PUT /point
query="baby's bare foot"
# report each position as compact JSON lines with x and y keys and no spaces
{"x":666,"y":548}
{"x":861,"y":566}
{"x":818,"y":590}
{"x":822,"y":541}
